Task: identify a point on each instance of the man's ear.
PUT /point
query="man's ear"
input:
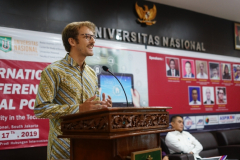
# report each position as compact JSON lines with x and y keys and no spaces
{"x":71,"y":41}
{"x":172,"y":124}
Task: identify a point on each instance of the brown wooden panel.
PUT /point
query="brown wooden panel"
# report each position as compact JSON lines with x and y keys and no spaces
{"x":125,"y":130}
{"x":112,"y":135}
{"x":111,"y":120}
{"x":114,"y":149}
{"x":137,"y":143}
{"x":86,"y":149}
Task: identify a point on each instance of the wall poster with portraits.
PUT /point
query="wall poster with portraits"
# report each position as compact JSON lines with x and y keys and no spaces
{"x":191,"y":83}
{"x":198,"y":85}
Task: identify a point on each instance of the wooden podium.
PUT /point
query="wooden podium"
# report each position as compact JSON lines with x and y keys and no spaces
{"x":113,"y":133}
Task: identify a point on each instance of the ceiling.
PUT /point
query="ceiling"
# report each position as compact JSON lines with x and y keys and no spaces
{"x":226,"y":9}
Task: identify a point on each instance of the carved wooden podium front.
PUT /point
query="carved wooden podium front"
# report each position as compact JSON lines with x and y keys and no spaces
{"x":113,"y":133}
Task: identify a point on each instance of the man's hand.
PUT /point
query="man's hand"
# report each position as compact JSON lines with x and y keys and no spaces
{"x":108,"y":101}
{"x":191,"y":153}
{"x":165,"y":158}
{"x":90,"y":104}
{"x":135,"y":97}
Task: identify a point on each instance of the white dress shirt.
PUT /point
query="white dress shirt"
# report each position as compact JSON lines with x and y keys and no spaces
{"x":197,"y":102}
{"x":237,"y":79}
{"x":208,"y":101}
{"x":173,"y":71}
{"x":189,"y":75}
{"x":204,"y":75}
{"x":215,"y":77}
{"x":183,"y":142}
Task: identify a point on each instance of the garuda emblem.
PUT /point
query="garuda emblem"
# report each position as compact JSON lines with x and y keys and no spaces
{"x":146,"y":15}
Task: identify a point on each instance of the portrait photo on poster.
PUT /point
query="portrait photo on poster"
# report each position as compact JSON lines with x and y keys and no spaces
{"x":226,"y":71}
{"x":236,"y":72}
{"x":172,"y":67}
{"x":201,"y":69}
{"x":188,"y":68}
{"x":221,"y":95}
{"x":194,"y":95}
{"x":214,"y":70}
{"x":237,"y":35}
{"x":208,"y":95}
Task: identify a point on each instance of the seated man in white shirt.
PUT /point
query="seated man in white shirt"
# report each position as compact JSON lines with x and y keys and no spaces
{"x":180,"y":141}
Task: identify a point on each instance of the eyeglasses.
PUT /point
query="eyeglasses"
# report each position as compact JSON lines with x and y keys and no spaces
{"x":89,"y":37}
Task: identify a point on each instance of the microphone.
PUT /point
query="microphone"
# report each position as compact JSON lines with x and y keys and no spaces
{"x":105,"y":68}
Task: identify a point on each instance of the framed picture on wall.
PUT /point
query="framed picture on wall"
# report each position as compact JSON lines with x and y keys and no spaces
{"x":172,"y":67}
{"x":237,"y":35}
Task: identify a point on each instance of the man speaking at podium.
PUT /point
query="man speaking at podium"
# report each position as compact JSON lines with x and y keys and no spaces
{"x":69,"y":86}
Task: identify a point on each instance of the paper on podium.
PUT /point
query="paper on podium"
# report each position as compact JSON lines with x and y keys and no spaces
{"x":215,"y":158}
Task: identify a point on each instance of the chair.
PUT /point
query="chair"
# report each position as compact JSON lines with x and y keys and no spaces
{"x":174,"y":156}
{"x":229,"y":141}
{"x":209,"y":143}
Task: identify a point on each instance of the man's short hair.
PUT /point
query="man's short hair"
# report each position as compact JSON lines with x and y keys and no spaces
{"x":188,"y":63}
{"x":171,"y":60}
{"x":220,"y":89}
{"x":173,"y":118}
{"x":71,"y":31}
{"x":194,"y":89}
{"x":214,"y":65}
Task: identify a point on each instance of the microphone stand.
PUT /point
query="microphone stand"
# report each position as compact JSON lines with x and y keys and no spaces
{"x":121,"y":85}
